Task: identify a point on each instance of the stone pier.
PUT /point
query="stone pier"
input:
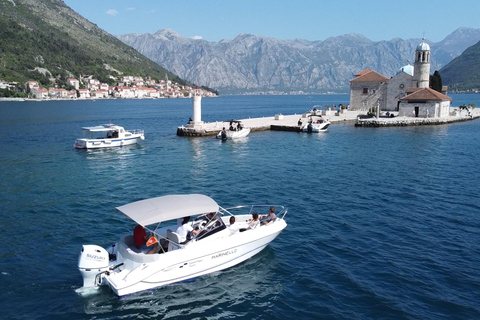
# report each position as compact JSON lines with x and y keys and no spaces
{"x":278,"y":122}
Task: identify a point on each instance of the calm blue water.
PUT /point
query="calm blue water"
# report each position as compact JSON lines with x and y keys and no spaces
{"x":383,"y":223}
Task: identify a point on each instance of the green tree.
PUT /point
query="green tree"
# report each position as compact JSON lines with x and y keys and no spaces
{"x":436,"y":81}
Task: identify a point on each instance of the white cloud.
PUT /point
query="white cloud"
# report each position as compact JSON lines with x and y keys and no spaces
{"x":130,"y":9}
{"x":197,"y":38}
{"x":112,"y":12}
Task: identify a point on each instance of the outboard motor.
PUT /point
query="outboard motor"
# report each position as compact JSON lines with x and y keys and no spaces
{"x":92,"y":262}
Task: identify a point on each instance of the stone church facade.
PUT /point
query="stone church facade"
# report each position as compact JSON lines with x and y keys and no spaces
{"x":407,"y":92}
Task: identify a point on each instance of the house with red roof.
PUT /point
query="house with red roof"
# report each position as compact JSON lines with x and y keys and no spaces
{"x":425,"y":102}
{"x":39,"y":93}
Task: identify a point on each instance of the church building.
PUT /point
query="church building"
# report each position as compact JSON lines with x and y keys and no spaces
{"x":407,"y":93}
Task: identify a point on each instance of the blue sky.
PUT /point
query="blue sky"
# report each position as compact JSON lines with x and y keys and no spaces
{"x":213,"y":20}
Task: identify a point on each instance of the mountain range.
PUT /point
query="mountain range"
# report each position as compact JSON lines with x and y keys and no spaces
{"x":45,"y":40}
{"x":463,"y":72}
{"x":250,"y":63}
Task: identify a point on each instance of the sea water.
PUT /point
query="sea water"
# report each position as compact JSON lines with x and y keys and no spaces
{"x":383,"y":223}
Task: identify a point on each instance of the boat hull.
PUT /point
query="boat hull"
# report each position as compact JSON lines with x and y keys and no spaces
{"x":316,"y":127}
{"x":192,"y":261}
{"x":104,"y":143}
{"x":235,"y":134}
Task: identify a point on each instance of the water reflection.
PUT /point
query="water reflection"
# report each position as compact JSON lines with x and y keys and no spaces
{"x":199,"y":165}
{"x":109,"y":153}
{"x":197,"y":145}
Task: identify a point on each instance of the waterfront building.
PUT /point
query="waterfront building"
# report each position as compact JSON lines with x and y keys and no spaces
{"x":74,"y":83}
{"x":407,"y":92}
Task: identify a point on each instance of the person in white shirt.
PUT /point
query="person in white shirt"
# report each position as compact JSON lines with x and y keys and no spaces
{"x":233,"y":227}
{"x":185,"y":229}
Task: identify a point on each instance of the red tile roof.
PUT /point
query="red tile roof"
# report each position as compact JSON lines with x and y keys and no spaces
{"x":426,"y":94}
{"x":361,"y":73}
{"x":369,"y":76}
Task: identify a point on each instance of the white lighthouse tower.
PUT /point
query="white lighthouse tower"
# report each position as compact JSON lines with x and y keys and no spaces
{"x":421,"y":70}
{"x":196,"y":109}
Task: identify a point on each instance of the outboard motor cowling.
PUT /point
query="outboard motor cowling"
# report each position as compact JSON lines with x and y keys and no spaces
{"x":93,"y":261}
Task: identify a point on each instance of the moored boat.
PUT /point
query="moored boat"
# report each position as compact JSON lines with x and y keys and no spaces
{"x":225,"y":135}
{"x":107,"y":135}
{"x":213,"y":246}
{"x":315,"y":126}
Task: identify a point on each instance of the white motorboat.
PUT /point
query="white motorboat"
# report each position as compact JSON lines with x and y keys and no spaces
{"x":126,"y":269}
{"x":107,"y":135}
{"x":225,"y":135}
{"x":315,"y":126}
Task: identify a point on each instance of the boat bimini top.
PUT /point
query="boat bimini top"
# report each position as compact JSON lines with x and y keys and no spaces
{"x":102,"y":128}
{"x":159,"y":209}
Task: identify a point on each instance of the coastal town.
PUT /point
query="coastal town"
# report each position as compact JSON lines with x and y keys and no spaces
{"x":129,"y":87}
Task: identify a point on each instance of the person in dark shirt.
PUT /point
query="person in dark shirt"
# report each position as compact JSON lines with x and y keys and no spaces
{"x":268,"y":218}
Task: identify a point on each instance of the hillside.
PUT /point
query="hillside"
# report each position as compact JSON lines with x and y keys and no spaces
{"x":251,"y":63}
{"x":463,"y":72}
{"x":42,"y":39}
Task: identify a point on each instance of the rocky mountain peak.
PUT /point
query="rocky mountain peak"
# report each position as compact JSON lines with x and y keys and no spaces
{"x":256,"y":63}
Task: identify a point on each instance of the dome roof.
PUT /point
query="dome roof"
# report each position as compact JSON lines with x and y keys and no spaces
{"x":407,"y":69}
{"x":423,"y":46}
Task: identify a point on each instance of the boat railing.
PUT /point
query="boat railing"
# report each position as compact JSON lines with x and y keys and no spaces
{"x":280,"y":211}
{"x":136,"y":131}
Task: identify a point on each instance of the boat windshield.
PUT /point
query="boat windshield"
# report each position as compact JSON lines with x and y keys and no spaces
{"x":110,"y":134}
{"x":210,"y":223}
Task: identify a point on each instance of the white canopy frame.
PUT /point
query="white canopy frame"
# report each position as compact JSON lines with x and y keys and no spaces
{"x":170,"y":207}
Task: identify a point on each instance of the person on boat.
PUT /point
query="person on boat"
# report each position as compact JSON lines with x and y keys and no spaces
{"x":140,"y":239}
{"x":185,"y":231}
{"x":239,"y":126}
{"x":231,"y":126}
{"x":266,"y":219}
{"x":233,"y":227}
{"x":299,"y":123}
{"x":254,"y":221}
{"x":309,"y":126}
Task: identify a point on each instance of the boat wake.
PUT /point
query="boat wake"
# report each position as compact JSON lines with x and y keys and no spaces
{"x":86,"y":292}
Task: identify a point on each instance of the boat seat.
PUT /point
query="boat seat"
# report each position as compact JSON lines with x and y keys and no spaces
{"x":127,"y":249}
{"x":175,"y":240}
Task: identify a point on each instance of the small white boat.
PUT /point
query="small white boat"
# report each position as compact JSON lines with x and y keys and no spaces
{"x":315,"y":126}
{"x":224,"y":134}
{"x":126,"y":269}
{"x":107,"y":135}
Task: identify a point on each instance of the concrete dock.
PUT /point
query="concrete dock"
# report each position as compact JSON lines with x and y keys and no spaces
{"x":278,"y":122}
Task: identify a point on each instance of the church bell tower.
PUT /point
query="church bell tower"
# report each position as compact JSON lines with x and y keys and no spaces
{"x":421,"y":73}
